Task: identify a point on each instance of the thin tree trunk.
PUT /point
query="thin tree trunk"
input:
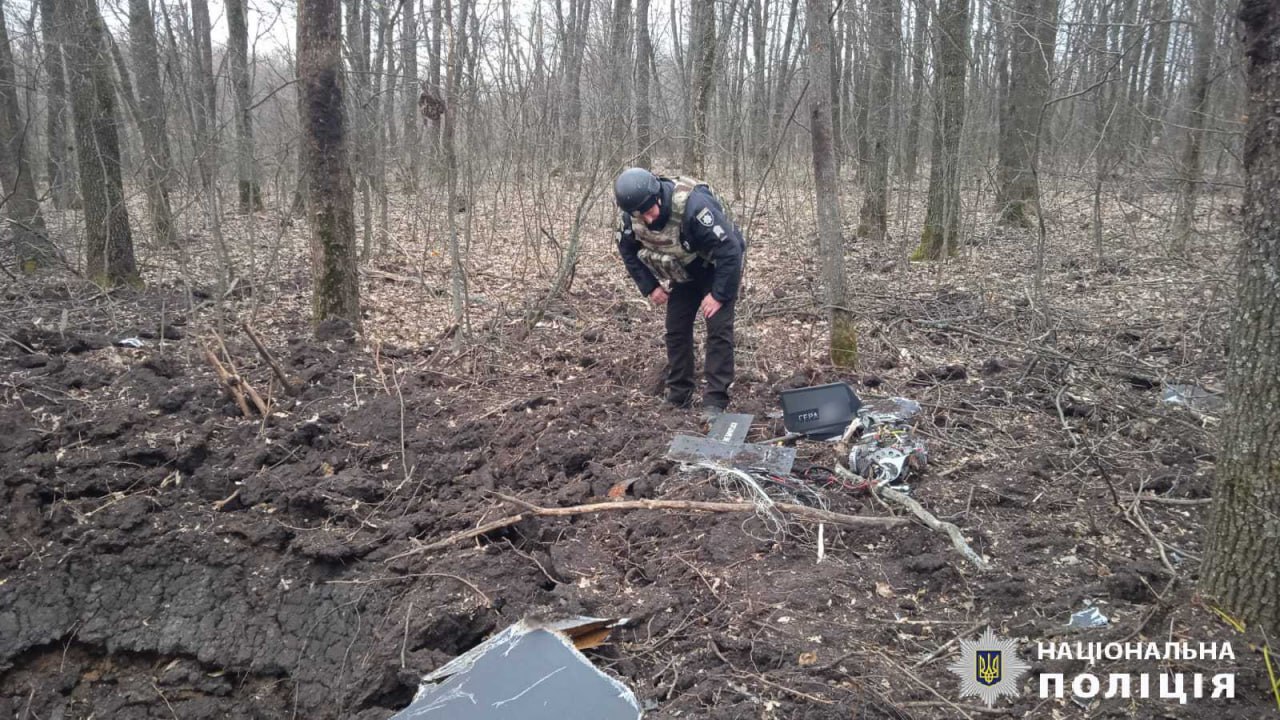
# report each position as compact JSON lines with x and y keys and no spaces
{"x":238,"y":47}
{"x":872,"y":218}
{"x":205,"y":93}
{"x":152,"y":124}
{"x":1154,"y":109}
{"x":759,"y":143}
{"x":336,"y":292}
{"x":919,"y":49}
{"x":1034,"y":26}
{"x":61,"y":169}
{"x":702,"y":56}
{"x":409,"y":90}
{"x":620,"y":76}
{"x":18,"y":193}
{"x":109,"y":256}
{"x":1241,"y":569}
{"x":643,"y":110}
{"x":782,"y":86}
{"x":1201,"y":69}
{"x":844,"y":336}
{"x":940,"y":236}
{"x":457,"y":56}
{"x":575,"y":46}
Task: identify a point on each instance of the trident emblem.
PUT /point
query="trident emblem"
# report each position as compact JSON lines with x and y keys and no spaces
{"x":988,"y":666}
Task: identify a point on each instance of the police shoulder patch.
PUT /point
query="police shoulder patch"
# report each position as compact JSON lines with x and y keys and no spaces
{"x":704,"y":217}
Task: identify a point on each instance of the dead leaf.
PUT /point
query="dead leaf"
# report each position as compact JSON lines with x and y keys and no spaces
{"x":807,"y":658}
{"x":883,"y":590}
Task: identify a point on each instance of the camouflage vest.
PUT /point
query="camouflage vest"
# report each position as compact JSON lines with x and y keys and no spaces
{"x":661,"y":250}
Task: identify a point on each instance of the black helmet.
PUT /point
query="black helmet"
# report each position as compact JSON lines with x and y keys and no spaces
{"x":636,"y":189}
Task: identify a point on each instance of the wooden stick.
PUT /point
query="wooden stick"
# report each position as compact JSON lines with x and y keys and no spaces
{"x":801,"y":511}
{"x":239,"y":380}
{"x":887,"y":493}
{"x":459,"y":537}
{"x":926,"y":517}
{"x":808,"y":513}
{"x":227,"y":383}
{"x":289,"y":386}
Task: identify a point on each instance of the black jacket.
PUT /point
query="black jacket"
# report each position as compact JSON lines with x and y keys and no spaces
{"x":705,"y":230}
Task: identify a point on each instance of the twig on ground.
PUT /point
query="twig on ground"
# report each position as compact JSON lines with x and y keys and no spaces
{"x":800,"y":511}
{"x":942,"y":648}
{"x":1169,"y":501}
{"x":239,"y":380}
{"x":228,"y":384}
{"x":926,"y":517}
{"x":219,"y":505}
{"x":464,"y":535}
{"x":289,"y":386}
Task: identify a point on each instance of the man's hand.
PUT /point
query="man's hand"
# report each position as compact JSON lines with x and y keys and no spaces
{"x":710,"y":306}
{"x":658,"y":296}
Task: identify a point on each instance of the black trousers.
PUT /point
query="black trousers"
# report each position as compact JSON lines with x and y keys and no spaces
{"x":682,"y":312}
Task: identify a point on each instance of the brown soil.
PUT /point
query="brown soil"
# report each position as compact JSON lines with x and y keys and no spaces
{"x":130,"y":589}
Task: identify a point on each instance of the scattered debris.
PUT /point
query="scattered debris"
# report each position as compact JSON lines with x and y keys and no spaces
{"x":133,"y":342}
{"x":886,"y":451}
{"x":695,"y":450}
{"x":820,"y":412}
{"x":725,"y":448}
{"x":1194,"y":397}
{"x":1090,"y":617}
{"x":527,"y":671}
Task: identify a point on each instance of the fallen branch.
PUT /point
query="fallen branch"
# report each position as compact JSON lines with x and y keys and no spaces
{"x":289,"y":386}
{"x":885,"y":492}
{"x":228,"y":384}
{"x":1169,"y":501}
{"x":459,"y":537}
{"x":252,"y":394}
{"x":926,"y":517}
{"x":808,"y":513}
{"x":800,"y":511}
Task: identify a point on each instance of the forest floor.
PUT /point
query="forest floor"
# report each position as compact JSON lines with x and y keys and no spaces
{"x":162,"y":555}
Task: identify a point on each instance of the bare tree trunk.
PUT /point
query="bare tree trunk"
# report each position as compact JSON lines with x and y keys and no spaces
{"x":62,"y":171}
{"x":457,"y":55}
{"x":760,"y":89}
{"x":702,"y":55}
{"x":782,"y":86}
{"x":409,"y":89}
{"x":378,"y":126}
{"x":872,"y":218}
{"x":644,"y":112}
{"x":152,"y":125}
{"x":237,"y":26}
{"x":336,"y":293}
{"x":940,"y":236}
{"x":919,"y":49}
{"x":17,"y":186}
{"x":1201,"y":68}
{"x":1035,"y":28}
{"x":1004,"y":33}
{"x":206,"y":99}
{"x":1154,"y":109}
{"x":844,"y":335}
{"x":108,"y":238}
{"x":1104,"y":110}
{"x":1241,"y":568}
{"x":620,"y":77}
{"x":574,"y":47}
